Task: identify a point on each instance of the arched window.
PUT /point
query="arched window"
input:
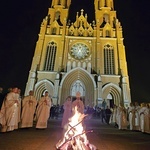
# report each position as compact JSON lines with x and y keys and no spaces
{"x":84,"y":65}
{"x":74,"y":64}
{"x":50,"y":57}
{"x":54,"y":31}
{"x":77,"y":86}
{"x":105,"y":20}
{"x":109,"y":67}
{"x":68,"y":66}
{"x":89,"y":67}
{"x":107,"y":33}
{"x":106,"y":16}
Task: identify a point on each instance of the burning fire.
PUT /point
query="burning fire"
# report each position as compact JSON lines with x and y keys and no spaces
{"x":75,"y":136}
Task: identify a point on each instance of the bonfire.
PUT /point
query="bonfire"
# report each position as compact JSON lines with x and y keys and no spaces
{"x":75,"y":136}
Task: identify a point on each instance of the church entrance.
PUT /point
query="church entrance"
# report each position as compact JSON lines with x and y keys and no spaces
{"x":78,"y":79}
{"x":110,"y":101}
{"x":77,"y":86}
{"x":112,"y":94}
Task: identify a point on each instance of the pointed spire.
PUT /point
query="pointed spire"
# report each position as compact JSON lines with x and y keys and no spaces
{"x":68,"y":3}
{"x":77,"y":16}
{"x":82,"y":11}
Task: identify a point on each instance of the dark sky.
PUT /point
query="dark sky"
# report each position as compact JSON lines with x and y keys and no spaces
{"x":20,"y":26}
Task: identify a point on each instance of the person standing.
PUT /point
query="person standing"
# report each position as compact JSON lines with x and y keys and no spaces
{"x":28,"y":109}
{"x":114,"y":116}
{"x":67,"y":111}
{"x":2,"y":111}
{"x":131,"y":116}
{"x":12,"y":108}
{"x":122,"y":119}
{"x":43,"y":111}
{"x":137,"y":116}
{"x":78,"y":103}
{"x":144,"y":118}
{"x":108,"y":114}
{"x":103,"y":115}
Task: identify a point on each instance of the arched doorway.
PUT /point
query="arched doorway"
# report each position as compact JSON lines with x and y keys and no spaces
{"x":110,"y":100}
{"x":112,"y":93}
{"x":78,"y":79}
{"x":41,"y":87}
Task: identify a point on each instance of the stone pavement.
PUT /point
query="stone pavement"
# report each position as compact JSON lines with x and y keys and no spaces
{"x":104,"y":137}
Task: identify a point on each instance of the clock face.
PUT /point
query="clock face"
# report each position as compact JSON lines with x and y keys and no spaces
{"x":79,"y":51}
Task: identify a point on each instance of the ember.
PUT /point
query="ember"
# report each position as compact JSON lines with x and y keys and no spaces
{"x":75,"y":136}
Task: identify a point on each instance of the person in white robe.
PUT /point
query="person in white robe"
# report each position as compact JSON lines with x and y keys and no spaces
{"x":2,"y":118}
{"x":114,"y":116}
{"x":122,"y":119}
{"x":78,"y":103}
{"x":147,"y":119}
{"x":137,"y":116}
{"x":43,"y":111}
{"x":67,"y":106}
{"x":144,"y":118}
{"x":12,"y":110}
{"x":28,"y":110}
{"x":131,"y":116}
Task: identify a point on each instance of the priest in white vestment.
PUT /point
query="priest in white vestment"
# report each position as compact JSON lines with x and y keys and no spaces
{"x":67,"y":111}
{"x":131,"y":116}
{"x":122,"y":119}
{"x":12,"y":108}
{"x":78,"y":103}
{"x":43,"y":111}
{"x":114,"y":116}
{"x":2,"y":118}
{"x":144,"y":118}
{"x":28,"y":110}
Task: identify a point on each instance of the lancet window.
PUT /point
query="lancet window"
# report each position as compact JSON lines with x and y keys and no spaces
{"x":50,"y":57}
{"x":77,"y":86}
{"x":107,"y":33}
{"x":109,"y":67}
{"x":54,"y":31}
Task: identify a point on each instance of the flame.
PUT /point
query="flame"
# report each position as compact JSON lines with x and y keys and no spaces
{"x":75,"y":136}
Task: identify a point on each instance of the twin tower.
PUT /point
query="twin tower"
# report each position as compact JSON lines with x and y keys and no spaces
{"x":81,"y":56}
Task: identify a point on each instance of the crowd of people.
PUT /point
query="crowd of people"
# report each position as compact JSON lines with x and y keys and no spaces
{"x":17,"y":112}
{"x":136,"y":117}
{"x":25,"y":112}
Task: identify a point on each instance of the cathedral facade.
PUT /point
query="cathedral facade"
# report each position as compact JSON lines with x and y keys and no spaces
{"x":80,"y":56}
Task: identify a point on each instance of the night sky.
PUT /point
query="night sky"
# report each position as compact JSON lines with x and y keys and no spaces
{"x":20,"y":26}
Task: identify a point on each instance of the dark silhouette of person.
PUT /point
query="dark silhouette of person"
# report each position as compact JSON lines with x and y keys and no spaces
{"x":103,"y":115}
{"x":107,"y":113}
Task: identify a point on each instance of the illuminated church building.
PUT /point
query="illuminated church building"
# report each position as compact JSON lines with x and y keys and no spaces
{"x":80,"y":56}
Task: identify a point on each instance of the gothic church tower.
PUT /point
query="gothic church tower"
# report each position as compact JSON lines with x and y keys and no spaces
{"x":81,"y":56}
